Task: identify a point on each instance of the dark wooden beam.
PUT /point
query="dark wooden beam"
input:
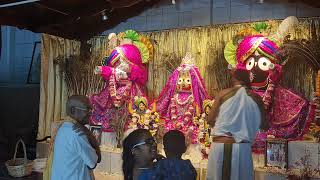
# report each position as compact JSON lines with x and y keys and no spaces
{"x":72,"y":19}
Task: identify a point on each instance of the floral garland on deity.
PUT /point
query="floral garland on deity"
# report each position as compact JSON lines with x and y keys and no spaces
{"x":117,"y":99}
{"x":316,"y":99}
{"x":143,"y":118}
{"x":186,"y":124}
{"x":314,"y":130}
{"x":204,"y":129}
{"x":190,"y":109}
{"x":267,"y":95}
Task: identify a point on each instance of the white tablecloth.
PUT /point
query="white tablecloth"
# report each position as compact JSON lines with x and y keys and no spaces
{"x":110,"y":166}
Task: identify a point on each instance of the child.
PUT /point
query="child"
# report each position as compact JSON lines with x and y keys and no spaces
{"x":173,"y":167}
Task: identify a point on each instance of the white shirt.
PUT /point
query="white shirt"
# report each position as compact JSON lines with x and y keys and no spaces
{"x":239,"y":116}
{"x":72,"y":155}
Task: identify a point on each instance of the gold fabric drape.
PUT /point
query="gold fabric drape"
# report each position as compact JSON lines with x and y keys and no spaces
{"x":52,"y":86}
{"x":207,"y":45}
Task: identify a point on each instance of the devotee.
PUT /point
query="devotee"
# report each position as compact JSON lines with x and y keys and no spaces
{"x":173,"y":167}
{"x":139,"y":152}
{"x":76,"y":151}
{"x":236,"y":116}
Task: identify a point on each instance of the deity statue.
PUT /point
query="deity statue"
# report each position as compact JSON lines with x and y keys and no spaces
{"x":125,"y":74}
{"x":182,"y":97}
{"x":204,"y":129}
{"x":142,"y":117}
{"x":288,"y":114}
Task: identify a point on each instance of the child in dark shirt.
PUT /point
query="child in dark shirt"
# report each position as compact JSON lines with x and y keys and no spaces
{"x":172,"y":167}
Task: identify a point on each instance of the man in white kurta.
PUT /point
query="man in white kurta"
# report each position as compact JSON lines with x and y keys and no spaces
{"x":76,"y":151}
{"x":73,"y":155}
{"x":236,"y":118}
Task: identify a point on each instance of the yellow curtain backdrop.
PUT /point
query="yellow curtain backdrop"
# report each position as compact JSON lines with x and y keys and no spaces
{"x":207,"y":45}
{"x":52,"y":86}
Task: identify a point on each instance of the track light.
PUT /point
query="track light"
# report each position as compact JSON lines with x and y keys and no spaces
{"x":260,"y":1}
{"x":104,"y":16}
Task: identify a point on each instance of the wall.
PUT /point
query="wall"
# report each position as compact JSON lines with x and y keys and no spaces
{"x":19,"y":109}
{"x":19,"y":105}
{"x":188,"y":13}
{"x":16,"y":52}
{"x":17,"y":45}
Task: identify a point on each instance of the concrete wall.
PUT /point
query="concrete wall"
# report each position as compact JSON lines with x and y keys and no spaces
{"x":16,"y":52}
{"x":19,"y":105}
{"x":188,"y":13}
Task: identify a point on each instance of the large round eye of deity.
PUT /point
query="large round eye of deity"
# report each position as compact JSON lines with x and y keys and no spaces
{"x":250,"y":63}
{"x":188,"y":81}
{"x":180,"y":81}
{"x":264,"y":63}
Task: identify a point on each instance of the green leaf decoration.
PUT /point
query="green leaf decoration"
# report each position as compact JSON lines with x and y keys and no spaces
{"x":230,"y":53}
{"x":131,"y":34}
{"x":260,"y":26}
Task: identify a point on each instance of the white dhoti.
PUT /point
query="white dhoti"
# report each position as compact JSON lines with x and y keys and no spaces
{"x":230,"y":163}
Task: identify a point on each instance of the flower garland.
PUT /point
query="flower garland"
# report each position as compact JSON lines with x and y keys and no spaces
{"x":267,"y":95}
{"x":273,"y":78}
{"x":318,"y":84}
{"x":117,"y":98}
{"x":183,"y":102}
{"x":316,"y":99}
{"x":188,"y":113}
{"x":204,"y":135}
{"x":314,"y":129}
{"x":183,"y":122}
{"x":148,"y":120}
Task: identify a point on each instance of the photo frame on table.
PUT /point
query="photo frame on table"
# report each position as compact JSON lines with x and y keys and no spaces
{"x":97,"y":132}
{"x":276,"y":153}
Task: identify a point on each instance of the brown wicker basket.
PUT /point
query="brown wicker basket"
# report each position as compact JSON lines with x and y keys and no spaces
{"x":19,"y":167}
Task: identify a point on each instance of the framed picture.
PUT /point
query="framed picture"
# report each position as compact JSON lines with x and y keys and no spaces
{"x":96,"y":131}
{"x":35,"y":65}
{"x":276,"y":154}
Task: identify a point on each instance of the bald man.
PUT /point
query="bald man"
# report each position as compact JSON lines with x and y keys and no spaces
{"x":76,"y":151}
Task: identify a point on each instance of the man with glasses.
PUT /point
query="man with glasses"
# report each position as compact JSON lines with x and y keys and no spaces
{"x":76,"y":151}
{"x":139,"y":151}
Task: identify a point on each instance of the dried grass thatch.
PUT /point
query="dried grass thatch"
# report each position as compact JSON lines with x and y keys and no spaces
{"x":171,"y":61}
{"x":220,"y":69}
{"x":78,"y":74}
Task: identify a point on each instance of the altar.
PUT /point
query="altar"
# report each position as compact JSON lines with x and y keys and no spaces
{"x":137,"y":94}
{"x":110,"y":166}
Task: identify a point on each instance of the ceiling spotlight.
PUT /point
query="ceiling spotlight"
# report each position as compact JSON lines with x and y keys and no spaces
{"x":260,"y":1}
{"x":173,"y":1}
{"x":104,"y":16}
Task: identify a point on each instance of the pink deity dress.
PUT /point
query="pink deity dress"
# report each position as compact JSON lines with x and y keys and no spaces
{"x":289,"y":114}
{"x":182,"y":95}
{"x":125,"y":76}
